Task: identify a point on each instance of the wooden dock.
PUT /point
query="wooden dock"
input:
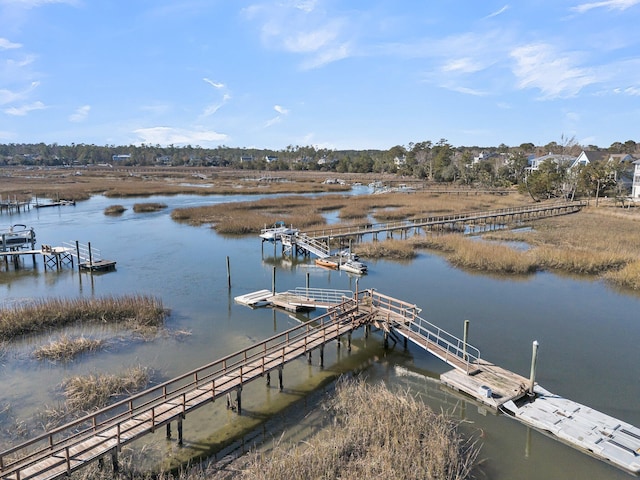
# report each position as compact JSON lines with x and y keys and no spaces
{"x":63,"y":450}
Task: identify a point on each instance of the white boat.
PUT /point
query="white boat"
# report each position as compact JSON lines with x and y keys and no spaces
{"x":16,"y":236}
{"x":273,"y":234}
{"x":353,"y":266}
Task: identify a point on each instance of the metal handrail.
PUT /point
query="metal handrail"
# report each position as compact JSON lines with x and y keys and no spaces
{"x":322,"y":294}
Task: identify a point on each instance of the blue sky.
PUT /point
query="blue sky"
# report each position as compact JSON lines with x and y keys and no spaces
{"x":334,"y":74}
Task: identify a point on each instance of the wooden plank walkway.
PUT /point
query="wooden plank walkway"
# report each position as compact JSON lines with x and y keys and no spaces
{"x":61,"y":451}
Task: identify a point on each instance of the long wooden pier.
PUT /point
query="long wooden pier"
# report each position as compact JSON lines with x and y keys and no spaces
{"x":63,"y":450}
{"x":317,"y":242}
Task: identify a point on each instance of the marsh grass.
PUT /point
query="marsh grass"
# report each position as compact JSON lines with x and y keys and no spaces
{"x":245,"y":218}
{"x":390,"y":248}
{"x":148,"y":207}
{"x":86,"y":393}
{"x":580,"y":261}
{"x":360,"y":446}
{"x":90,"y":392}
{"x":626,"y":277}
{"x":114,"y":210}
{"x":137,"y":312}
{"x":66,"y":348}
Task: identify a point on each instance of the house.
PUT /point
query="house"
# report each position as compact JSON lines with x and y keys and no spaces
{"x":561,"y":160}
{"x":400,"y":161}
{"x":270,"y":158}
{"x":635,"y":189}
{"x":121,"y":157}
{"x":246,"y":158}
{"x":624,"y":176}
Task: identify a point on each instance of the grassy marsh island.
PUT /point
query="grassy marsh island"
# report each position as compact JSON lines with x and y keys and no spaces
{"x":148,"y":207}
{"x":135,"y":312}
{"x":65,"y":348}
{"x":114,"y":210}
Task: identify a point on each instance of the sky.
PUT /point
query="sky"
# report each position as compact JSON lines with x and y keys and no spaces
{"x":336,"y":74}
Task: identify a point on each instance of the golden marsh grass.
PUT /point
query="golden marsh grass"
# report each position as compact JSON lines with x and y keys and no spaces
{"x":137,"y":312}
{"x":360,"y":446}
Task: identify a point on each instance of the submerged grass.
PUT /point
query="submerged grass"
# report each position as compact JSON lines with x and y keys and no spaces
{"x":84,"y":394}
{"x":66,"y":348}
{"x":138,"y":312}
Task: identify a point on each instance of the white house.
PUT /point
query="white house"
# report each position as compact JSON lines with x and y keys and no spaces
{"x":635,"y":189}
{"x":562,"y":160}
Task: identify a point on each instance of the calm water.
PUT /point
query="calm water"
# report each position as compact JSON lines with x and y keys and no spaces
{"x":588,"y":332}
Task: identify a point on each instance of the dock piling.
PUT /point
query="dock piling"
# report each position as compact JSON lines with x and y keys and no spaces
{"x":273,"y":281}
{"x":534,"y":359}
{"x":228,"y":273}
{"x":465,"y":338}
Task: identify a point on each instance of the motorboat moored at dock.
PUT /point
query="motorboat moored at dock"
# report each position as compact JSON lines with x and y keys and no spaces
{"x":353,"y":266}
{"x":17,"y":236}
{"x":273,"y":234}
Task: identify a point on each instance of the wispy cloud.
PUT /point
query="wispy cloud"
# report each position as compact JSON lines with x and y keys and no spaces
{"x":8,"y":45}
{"x":81,"y":114}
{"x":301,"y":28}
{"x":8,"y":96}
{"x":179,"y":136}
{"x":282,"y":112}
{"x":211,"y":109}
{"x":607,"y":4}
{"x":213,"y":84}
{"x":556,"y":75}
{"x":498,"y":12}
{"x":25,"y":109}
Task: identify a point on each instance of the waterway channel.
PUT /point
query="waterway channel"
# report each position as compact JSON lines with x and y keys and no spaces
{"x":588,"y":332}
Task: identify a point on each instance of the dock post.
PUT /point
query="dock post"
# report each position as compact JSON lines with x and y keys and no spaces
{"x":273,"y":281}
{"x":465,"y":337}
{"x":322,"y":355}
{"x":534,"y":359}
{"x":114,"y":461}
{"x":90,"y":257}
{"x":280,"y":384}
{"x":239,"y":399}
{"x":307,"y":283}
{"x":228,"y":273}
{"x":78,"y":253}
{"x":180,"y":431}
{"x":268,"y":379}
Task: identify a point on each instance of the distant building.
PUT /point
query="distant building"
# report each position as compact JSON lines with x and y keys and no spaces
{"x":121,"y":157}
{"x":246,"y":158}
{"x":271,"y":158}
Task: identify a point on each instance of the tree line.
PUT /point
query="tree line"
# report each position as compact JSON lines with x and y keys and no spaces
{"x":501,"y":166}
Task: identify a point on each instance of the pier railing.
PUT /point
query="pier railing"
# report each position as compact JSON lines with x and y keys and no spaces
{"x":185,"y":392}
{"x":541,"y":209}
{"x":323,"y":295}
{"x":404,"y":318}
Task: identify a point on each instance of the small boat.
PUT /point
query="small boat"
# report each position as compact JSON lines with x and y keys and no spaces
{"x":353,"y":266}
{"x":327,"y":263}
{"x":59,"y":203}
{"x":273,"y":234}
{"x":16,"y":236}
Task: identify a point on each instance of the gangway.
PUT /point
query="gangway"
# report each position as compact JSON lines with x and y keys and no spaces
{"x":307,"y":243}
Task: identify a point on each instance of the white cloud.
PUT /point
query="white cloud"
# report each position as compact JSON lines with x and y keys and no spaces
{"x":213,"y":84}
{"x":211,"y":109}
{"x":608,"y":4}
{"x":24,"y":109}
{"x":498,"y":12}
{"x":81,"y":114}
{"x":555,"y":75}
{"x":178,"y":136}
{"x":8,"y":96}
{"x":8,"y":45}
{"x":463,"y":65}
{"x":280,"y":110}
{"x":299,"y":27}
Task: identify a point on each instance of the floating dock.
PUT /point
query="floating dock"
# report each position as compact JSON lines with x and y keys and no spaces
{"x":582,"y":427}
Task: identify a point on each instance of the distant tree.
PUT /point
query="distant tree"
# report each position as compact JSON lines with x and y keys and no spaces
{"x":546,"y":182}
